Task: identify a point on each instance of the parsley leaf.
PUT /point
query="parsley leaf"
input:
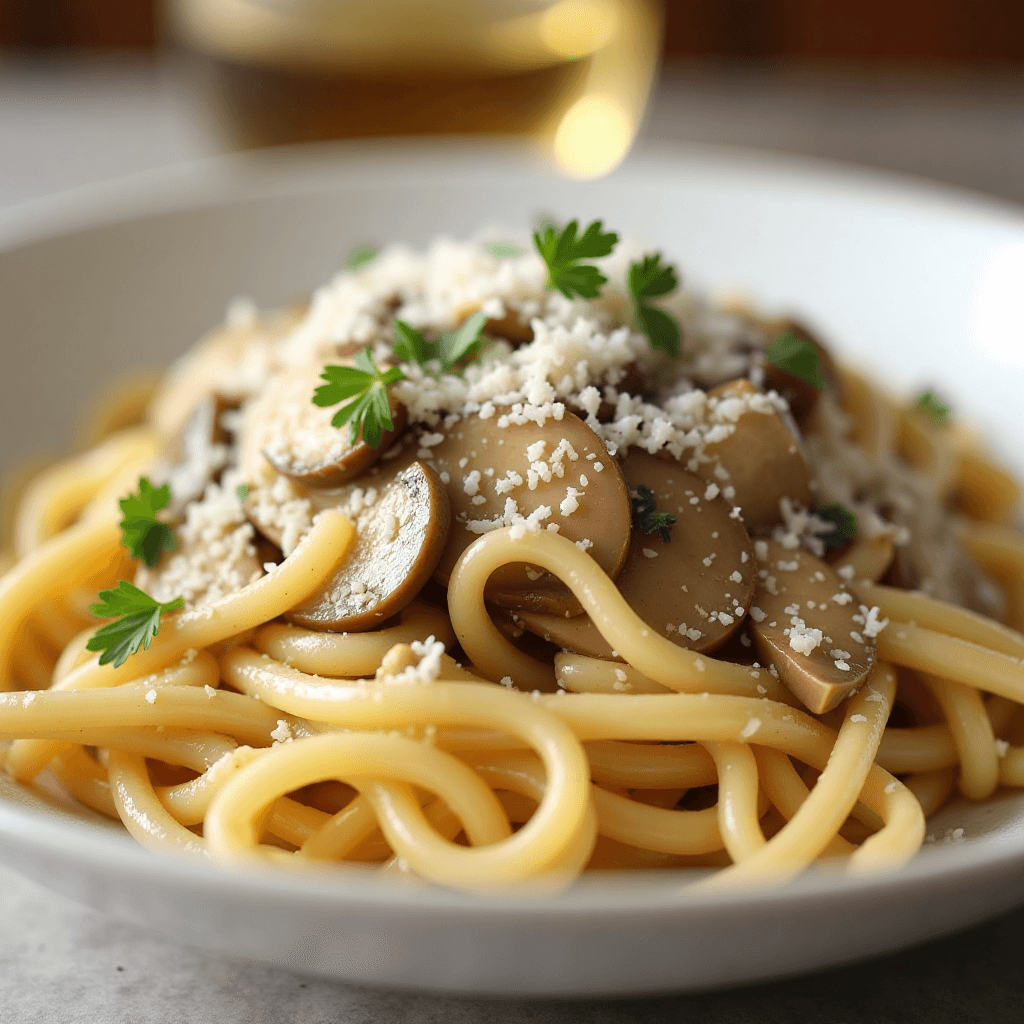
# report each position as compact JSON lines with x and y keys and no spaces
{"x":363,"y":388}
{"x":646,"y":519}
{"x":359,"y":256}
{"x":503,"y":250}
{"x":448,"y":349}
{"x":458,"y":344}
{"x":844,"y":526}
{"x":563,"y":254}
{"x":798,"y":357}
{"x":142,"y":533}
{"x":937,"y":411}
{"x":649,"y":278}
{"x":242,"y":492}
{"x":410,"y":345}
{"x":137,"y":622}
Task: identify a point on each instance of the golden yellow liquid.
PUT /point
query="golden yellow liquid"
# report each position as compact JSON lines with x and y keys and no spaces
{"x":573,"y":75}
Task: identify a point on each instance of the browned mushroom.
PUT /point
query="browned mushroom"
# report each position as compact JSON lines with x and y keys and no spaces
{"x":297,"y":438}
{"x":198,"y":453}
{"x":511,"y":328}
{"x":762,"y":459}
{"x":501,"y":473}
{"x":808,"y":624}
{"x":400,"y":537}
{"x":694,"y":589}
{"x":801,"y":396}
{"x":281,"y":510}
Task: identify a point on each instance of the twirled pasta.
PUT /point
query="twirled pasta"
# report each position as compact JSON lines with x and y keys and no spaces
{"x":246,"y":738}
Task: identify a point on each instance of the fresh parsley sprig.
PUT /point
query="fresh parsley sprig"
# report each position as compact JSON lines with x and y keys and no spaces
{"x":648,"y":279}
{"x":447,"y":349}
{"x":363,"y":388}
{"x":563,"y":254}
{"x":936,"y":410}
{"x":136,"y":621}
{"x":144,"y":535}
{"x":844,"y":526}
{"x":646,"y":519}
{"x":798,"y":357}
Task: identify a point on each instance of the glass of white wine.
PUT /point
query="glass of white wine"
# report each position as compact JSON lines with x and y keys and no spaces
{"x":571,"y":75}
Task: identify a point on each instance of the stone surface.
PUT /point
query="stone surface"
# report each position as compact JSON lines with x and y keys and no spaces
{"x":64,"y":964}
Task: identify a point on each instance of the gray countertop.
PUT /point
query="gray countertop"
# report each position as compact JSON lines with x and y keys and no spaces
{"x":63,"y":964}
{"x":78,"y":123}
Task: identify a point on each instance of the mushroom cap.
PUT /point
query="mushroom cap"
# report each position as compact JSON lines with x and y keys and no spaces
{"x":805,"y":622}
{"x":399,"y":538}
{"x":762,"y":458}
{"x":694,"y":589}
{"x":553,"y":466}
{"x":298,"y":439}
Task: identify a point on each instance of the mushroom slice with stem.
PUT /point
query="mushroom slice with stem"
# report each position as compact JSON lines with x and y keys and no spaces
{"x":694,"y":588}
{"x":809,"y":625}
{"x":761,"y":460}
{"x":401,"y":535}
{"x":558,"y":475}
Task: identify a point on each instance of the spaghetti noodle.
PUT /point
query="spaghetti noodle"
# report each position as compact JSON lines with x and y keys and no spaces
{"x":450,"y":656}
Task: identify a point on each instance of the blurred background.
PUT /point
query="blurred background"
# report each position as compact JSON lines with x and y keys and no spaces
{"x":90,"y":89}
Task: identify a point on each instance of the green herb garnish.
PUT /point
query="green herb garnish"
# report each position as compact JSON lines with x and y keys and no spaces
{"x":503,"y":250}
{"x":798,"y":357}
{"x":937,"y":411}
{"x":844,"y":526}
{"x":447,"y":349}
{"x":144,"y":535}
{"x":363,"y":388}
{"x":651,"y":279}
{"x":137,"y":622}
{"x":646,"y":519}
{"x":563,"y":254}
{"x":359,"y":256}
{"x":242,"y":491}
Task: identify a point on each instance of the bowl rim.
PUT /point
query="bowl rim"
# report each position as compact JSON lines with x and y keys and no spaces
{"x":290,"y":171}
{"x":306,"y":170}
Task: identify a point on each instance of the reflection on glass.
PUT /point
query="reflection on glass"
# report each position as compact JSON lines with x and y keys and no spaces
{"x":571,"y":74}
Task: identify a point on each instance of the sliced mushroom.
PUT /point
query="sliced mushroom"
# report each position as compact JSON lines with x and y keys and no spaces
{"x":282,"y":510}
{"x":502,"y":473}
{"x":695,"y":589}
{"x":577,"y":634}
{"x":511,"y":328}
{"x":761,"y":459}
{"x":297,"y":439}
{"x":808,"y":624}
{"x":197,"y":455}
{"x":801,"y":396}
{"x":400,"y":537}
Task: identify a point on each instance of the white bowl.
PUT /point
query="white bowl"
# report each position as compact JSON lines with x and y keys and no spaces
{"x":918,"y":283}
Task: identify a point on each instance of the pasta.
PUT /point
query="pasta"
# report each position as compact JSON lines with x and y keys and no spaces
{"x":586,"y":605}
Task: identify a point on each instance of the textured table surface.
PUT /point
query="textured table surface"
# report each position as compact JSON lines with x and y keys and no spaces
{"x":60,"y":963}
{"x":63,"y":964}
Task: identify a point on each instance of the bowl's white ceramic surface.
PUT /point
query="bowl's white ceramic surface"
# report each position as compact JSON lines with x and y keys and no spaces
{"x":919,"y":283}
